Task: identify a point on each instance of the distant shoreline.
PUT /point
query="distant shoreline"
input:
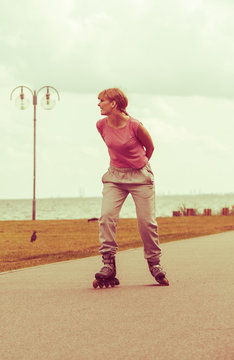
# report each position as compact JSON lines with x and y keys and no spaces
{"x":88,"y":207}
{"x":99,"y":197}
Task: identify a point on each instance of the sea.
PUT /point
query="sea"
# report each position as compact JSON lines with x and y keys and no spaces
{"x":90,"y":207}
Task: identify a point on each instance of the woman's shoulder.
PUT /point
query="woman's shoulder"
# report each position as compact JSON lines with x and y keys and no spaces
{"x":101,"y":123}
{"x":134,"y":123}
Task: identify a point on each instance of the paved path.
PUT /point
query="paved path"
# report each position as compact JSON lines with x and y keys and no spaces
{"x":52,"y":312}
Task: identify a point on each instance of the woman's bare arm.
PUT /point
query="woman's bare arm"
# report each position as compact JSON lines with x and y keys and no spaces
{"x":145,"y":138}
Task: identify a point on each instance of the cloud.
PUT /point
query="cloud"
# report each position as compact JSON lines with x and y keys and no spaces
{"x":174,"y":60}
{"x":168,"y":48}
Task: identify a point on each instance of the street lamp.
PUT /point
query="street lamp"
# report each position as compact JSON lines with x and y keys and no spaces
{"x":22,"y":103}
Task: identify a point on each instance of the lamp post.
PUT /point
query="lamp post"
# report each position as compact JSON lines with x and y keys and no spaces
{"x":23,"y":103}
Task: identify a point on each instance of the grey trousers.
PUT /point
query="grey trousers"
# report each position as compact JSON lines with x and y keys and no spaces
{"x":117,"y":184}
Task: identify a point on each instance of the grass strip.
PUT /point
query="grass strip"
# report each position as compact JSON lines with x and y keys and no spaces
{"x":59,"y":240}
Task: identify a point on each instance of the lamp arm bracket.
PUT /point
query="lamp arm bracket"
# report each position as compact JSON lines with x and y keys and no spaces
{"x":22,"y":86}
{"x":51,"y":87}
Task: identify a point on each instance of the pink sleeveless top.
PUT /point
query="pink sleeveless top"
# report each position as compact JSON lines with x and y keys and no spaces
{"x":124,"y":148}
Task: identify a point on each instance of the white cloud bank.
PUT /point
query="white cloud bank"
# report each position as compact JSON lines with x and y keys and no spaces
{"x":175,"y":61}
{"x":170,"y":48}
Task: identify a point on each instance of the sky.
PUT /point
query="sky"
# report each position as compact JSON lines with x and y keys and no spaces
{"x":174,"y":59}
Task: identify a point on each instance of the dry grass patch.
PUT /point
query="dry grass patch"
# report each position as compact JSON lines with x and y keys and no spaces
{"x":59,"y":240}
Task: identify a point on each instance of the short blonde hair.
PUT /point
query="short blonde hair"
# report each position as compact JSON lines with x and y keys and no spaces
{"x":117,"y":95}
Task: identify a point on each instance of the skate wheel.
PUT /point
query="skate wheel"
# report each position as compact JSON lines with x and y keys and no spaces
{"x":163,"y":281}
{"x":95,"y":284}
{"x":101,"y":283}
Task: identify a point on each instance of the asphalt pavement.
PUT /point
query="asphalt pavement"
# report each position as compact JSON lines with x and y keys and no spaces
{"x":52,"y":311}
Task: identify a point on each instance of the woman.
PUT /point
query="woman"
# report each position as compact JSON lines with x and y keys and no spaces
{"x":130,"y":148}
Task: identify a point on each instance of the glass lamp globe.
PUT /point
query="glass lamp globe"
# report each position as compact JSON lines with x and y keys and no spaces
{"x":22,"y":103}
{"x":47,"y":103}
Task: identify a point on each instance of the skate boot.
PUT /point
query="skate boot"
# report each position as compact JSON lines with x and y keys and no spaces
{"x":106,"y":276}
{"x":158,"y":273}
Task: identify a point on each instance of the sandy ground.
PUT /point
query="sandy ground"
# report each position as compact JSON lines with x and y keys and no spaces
{"x":52,"y":311}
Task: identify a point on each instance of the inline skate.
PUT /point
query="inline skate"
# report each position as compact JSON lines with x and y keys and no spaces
{"x":107,"y":275}
{"x":158,"y":273}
